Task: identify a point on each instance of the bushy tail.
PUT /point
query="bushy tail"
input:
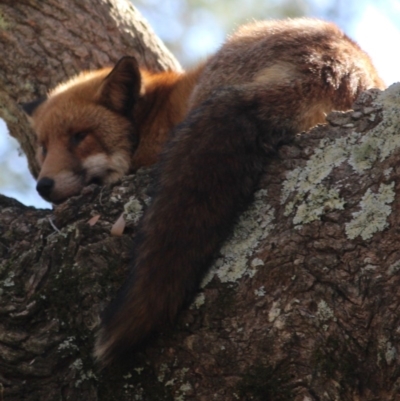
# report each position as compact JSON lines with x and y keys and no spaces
{"x":207,"y":176}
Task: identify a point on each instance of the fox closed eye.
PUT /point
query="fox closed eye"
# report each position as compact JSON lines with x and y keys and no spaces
{"x":77,"y":138}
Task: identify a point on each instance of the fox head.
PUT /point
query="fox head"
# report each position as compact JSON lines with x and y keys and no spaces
{"x":85,"y":130}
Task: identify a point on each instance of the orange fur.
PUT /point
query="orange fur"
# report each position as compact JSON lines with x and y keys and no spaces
{"x":165,"y":104}
{"x":91,"y":105}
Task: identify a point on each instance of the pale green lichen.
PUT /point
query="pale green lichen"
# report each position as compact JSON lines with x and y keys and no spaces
{"x":164,"y":368}
{"x":254,"y":225}
{"x":390,"y":353}
{"x":324,"y":312}
{"x":68,"y":344}
{"x":386,"y":350}
{"x":374,"y":212}
{"x":387,"y":133}
{"x":394,"y":268}
{"x":133,"y":210}
{"x":388,"y":171}
{"x":179,"y":377}
{"x":310,"y":197}
{"x":9,"y":281}
{"x":199,"y":300}
{"x":364,"y":154}
{"x":380,"y":142}
{"x":77,"y":364}
{"x":257,"y":262}
{"x":89,"y":375}
{"x":260,"y":292}
{"x":319,"y":201}
{"x":170,"y":383}
{"x":329,"y":154}
{"x":183,"y":389}
{"x":368,"y":269}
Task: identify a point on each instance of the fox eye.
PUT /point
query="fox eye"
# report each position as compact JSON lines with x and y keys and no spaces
{"x":43,"y":149}
{"x":77,"y":138}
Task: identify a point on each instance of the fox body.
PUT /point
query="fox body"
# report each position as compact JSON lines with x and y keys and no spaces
{"x":269,"y":81}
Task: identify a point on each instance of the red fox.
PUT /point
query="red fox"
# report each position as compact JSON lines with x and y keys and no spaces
{"x":210,"y":130}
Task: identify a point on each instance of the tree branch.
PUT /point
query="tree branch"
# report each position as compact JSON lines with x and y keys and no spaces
{"x":302,"y":301}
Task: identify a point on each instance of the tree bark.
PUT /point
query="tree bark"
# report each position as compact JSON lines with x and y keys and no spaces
{"x":301,"y":303}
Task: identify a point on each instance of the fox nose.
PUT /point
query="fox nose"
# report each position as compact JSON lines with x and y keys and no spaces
{"x":44,"y":187}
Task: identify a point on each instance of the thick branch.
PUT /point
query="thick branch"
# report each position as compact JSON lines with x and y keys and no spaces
{"x":301,"y":304}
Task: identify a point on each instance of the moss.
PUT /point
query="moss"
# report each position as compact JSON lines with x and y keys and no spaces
{"x":264,"y":383}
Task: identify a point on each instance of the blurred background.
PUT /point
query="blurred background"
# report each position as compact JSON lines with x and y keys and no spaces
{"x":193,"y":29}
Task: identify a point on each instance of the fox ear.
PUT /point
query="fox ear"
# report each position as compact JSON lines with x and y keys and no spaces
{"x":30,"y":107}
{"x":121,"y":88}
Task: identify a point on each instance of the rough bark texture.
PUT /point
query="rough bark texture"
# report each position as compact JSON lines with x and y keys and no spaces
{"x":43,"y":42}
{"x":302,"y":303}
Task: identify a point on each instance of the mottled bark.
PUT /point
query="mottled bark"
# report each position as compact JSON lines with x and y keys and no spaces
{"x":302,"y":303}
{"x":43,"y":42}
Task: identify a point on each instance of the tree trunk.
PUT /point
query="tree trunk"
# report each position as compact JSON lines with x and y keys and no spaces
{"x":300,"y":305}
